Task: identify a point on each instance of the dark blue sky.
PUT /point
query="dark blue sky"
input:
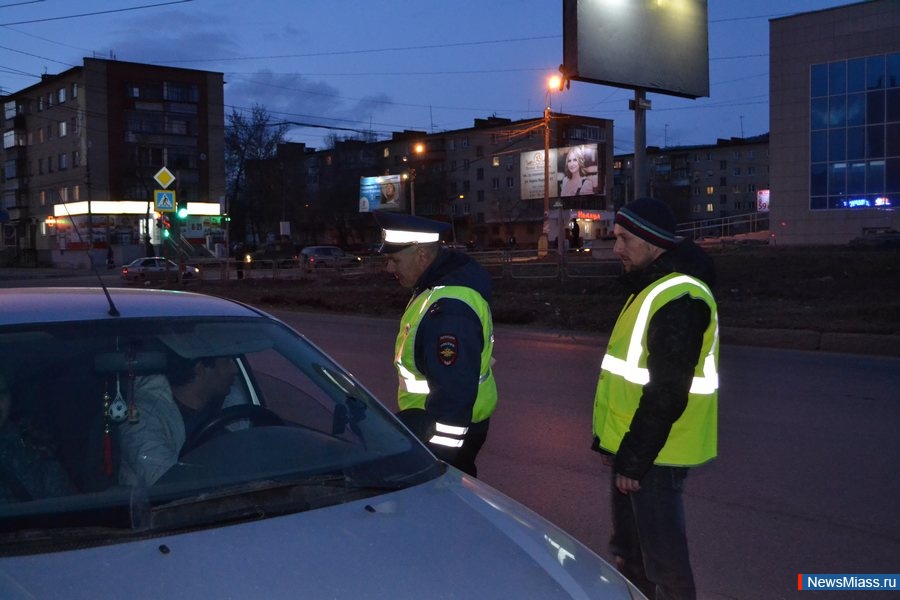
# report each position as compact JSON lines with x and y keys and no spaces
{"x":390,"y":65}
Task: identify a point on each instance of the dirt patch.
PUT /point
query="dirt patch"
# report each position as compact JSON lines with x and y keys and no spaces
{"x":821,"y":289}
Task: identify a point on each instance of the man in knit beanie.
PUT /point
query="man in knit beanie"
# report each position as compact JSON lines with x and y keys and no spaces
{"x":655,"y":409}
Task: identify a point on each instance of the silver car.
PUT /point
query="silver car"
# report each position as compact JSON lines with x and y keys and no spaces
{"x":281,"y":476}
{"x":316,"y":257}
{"x":152,"y":269}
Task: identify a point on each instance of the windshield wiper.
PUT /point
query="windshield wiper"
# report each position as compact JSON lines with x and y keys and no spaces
{"x":258,"y":499}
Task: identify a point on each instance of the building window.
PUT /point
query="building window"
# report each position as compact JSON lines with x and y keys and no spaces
{"x":61,"y":95}
{"x":710,"y":190}
{"x":495,"y":182}
{"x":710,"y":208}
{"x":510,"y":182}
{"x":751,"y":187}
{"x":49,"y":164}
{"x":751,"y":170}
{"x":464,"y":142}
{"x":386,"y":153}
{"x":62,"y":127}
{"x":737,"y":171}
{"x":465,"y":164}
{"x":40,"y":103}
{"x":723,"y":198}
{"x":854,"y":143}
{"x":723,"y":164}
{"x":74,"y":90}
{"x":495,"y":161}
{"x":76,"y":158}
{"x":40,"y":166}
{"x":723,"y":181}
{"x":736,"y":154}
{"x":479,"y":174}
{"x":480,"y":195}
{"x":63,"y":161}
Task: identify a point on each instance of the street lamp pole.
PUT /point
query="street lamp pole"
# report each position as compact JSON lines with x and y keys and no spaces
{"x":552,"y":82}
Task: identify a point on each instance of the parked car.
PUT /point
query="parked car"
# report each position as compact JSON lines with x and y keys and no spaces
{"x":153,"y":269}
{"x":299,"y":483}
{"x":315,"y":257}
{"x":280,"y":254}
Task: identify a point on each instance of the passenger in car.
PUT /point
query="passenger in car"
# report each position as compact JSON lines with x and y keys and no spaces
{"x":170,"y":408}
{"x":28,"y":468}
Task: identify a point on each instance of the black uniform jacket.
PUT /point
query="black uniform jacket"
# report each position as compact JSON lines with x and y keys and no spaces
{"x":450,"y":340}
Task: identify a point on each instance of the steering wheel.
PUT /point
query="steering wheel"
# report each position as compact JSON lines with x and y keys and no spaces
{"x":259,"y":416}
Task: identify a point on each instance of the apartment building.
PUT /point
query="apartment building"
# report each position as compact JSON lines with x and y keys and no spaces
{"x":704,"y":183}
{"x":80,"y":152}
{"x":486,"y":180}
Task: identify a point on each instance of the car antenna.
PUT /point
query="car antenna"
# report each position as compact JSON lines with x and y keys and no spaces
{"x":113,"y":311}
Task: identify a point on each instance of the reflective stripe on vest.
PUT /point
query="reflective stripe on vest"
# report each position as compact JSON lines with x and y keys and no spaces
{"x":631,"y":369}
{"x":693,"y":437}
{"x":413,"y":387}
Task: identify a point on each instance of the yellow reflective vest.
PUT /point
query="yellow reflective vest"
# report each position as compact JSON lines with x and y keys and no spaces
{"x":413,"y":388}
{"x":623,"y":374}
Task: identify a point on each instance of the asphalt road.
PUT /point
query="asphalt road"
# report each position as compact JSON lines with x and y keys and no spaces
{"x":806,"y":480}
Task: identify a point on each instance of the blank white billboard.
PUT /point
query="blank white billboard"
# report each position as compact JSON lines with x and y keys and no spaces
{"x":656,"y":45}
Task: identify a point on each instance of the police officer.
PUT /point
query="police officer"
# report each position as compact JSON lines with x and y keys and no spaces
{"x":447,"y":391}
{"x":655,"y":409}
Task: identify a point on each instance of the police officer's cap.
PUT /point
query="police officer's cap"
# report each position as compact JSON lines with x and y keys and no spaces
{"x":399,"y":231}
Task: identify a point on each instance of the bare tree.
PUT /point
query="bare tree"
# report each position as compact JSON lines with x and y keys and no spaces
{"x":248,"y":137}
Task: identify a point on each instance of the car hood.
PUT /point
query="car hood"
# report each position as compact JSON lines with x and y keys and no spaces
{"x":452,"y":537}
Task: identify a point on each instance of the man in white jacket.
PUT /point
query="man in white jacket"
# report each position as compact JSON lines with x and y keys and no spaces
{"x":169,"y":411}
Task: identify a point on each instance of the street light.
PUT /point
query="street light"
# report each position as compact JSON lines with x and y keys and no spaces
{"x":553,"y":81}
{"x":418,"y":150}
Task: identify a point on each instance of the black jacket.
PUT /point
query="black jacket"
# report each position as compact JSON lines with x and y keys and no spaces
{"x":674,"y":341}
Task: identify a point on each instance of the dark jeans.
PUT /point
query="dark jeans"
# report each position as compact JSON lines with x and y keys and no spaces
{"x":649,"y":539}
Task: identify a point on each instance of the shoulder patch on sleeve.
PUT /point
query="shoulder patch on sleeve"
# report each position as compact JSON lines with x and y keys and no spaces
{"x":448,"y":349}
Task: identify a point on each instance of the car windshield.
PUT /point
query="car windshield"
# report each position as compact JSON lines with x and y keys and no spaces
{"x":129,"y":427}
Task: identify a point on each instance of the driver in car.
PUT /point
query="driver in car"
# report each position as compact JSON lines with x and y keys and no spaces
{"x":170,"y":410}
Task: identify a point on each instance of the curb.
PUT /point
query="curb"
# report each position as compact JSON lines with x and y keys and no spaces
{"x":800,"y":339}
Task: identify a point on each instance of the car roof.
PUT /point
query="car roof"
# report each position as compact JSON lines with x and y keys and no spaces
{"x":60,"y":304}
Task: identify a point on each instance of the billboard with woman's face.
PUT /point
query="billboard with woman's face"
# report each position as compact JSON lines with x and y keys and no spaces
{"x":384,"y":192}
{"x":574,"y":171}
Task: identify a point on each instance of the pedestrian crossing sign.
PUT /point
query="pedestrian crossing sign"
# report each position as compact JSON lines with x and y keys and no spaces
{"x":165,"y":200}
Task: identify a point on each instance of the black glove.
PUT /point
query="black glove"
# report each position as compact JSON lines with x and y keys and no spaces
{"x":419,"y":422}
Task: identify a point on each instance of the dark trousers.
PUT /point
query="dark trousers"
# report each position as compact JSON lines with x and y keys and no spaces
{"x":649,"y":538}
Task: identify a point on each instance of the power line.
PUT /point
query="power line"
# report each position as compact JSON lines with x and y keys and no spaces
{"x":95,"y":13}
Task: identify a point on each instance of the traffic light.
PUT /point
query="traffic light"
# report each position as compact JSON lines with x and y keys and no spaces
{"x":166,"y":225}
{"x":182,"y":213}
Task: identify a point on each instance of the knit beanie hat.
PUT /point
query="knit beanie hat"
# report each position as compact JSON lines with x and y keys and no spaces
{"x":649,"y":219}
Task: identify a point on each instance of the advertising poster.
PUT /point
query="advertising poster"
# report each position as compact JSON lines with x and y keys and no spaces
{"x":578,"y":171}
{"x":531,"y":168}
{"x":574,"y":171}
{"x":384,"y":192}
{"x":762,"y":201}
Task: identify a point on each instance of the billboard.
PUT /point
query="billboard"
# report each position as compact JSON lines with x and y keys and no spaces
{"x":657,"y":46}
{"x":384,"y":192}
{"x":574,"y":171}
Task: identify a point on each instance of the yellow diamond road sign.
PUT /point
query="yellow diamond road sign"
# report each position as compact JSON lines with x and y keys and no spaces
{"x":164,"y":177}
